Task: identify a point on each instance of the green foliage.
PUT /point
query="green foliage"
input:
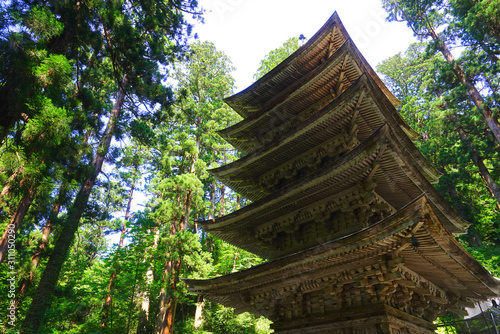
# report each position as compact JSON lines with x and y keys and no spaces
{"x":51,"y":125}
{"x":220,"y":319}
{"x":489,"y":256}
{"x":60,"y":69}
{"x":229,"y":259}
{"x":276,"y":56}
{"x":43,"y":23}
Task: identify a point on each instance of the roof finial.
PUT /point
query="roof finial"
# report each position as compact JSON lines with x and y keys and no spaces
{"x":302,"y":39}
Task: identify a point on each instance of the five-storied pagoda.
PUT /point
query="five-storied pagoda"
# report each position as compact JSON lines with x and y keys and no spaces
{"x":358,"y":239}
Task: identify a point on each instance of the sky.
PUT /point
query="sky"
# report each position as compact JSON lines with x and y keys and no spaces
{"x":247,"y":30}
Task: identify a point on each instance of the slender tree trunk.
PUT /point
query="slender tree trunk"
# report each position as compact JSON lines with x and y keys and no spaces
{"x":473,"y":93}
{"x":198,"y":316}
{"x":167,"y":314}
{"x":167,"y":302}
{"x":47,"y":229}
{"x":109,"y":296}
{"x":221,"y":202}
{"x":222,"y":192}
{"x":490,"y":183}
{"x":212,"y":199}
{"x":41,"y":299}
{"x":15,"y":222}
{"x":143,"y":326}
{"x":488,"y":50}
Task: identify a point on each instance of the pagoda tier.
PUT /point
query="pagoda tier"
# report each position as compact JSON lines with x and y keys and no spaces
{"x":350,"y":193}
{"x":343,"y":204}
{"x":302,"y":100}
{"x":406,"y":267}
{"x":326,"y":135}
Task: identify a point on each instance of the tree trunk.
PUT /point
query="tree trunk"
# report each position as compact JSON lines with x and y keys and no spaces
{"x":167,"y":301}
{"x":491,"y":185}
{"x":473,"y":93}
{"x":41,"y":299}
{"x":47,"y":229}
{"x":143,"y":324}
{"x":167,"y":312}
{"x":490,"y":53}
{"x":109,"y":296}
{"x":221,"y":202}
{"x":9,"y":236}
{"x":198,"y":316}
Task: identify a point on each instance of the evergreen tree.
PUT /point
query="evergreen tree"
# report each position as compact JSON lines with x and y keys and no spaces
{"x":276,"y":56}
{"x":426,"y":18}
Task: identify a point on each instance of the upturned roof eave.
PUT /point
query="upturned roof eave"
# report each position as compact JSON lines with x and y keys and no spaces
{"x":419,"y":163}
{"x":386,"y":108}
{"x":334,"y":20}
{"x":401,"y":127}
{"x":347,"y":47}
{"x":310,"y":254}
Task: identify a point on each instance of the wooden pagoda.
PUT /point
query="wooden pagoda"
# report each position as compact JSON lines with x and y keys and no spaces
{"x":358,"y":239}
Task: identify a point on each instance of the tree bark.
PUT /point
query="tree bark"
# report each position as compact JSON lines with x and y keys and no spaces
{"x":167,"y":301}
{"x":198,"y":316}
{"x":47,"y":229}
{"x":15,"y":222}
{"x":41,"y":299}
{"x":6,"y":188}
{"x":490,"y":53}
{"x":143,"y":326}
{"x":221,"y":202}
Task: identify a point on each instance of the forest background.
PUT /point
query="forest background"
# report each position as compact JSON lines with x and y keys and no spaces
{"x":101,"y":100}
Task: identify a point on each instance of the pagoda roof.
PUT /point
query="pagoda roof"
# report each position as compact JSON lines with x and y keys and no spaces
{"x":379,"y":157}
{"x":410,"y":248}
{"x":362,"y":103}
{"x":312,"y":54}
{"x":303,"y":98}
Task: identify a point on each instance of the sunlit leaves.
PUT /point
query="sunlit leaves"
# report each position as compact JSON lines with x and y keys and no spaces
{"x":276,"y":56}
